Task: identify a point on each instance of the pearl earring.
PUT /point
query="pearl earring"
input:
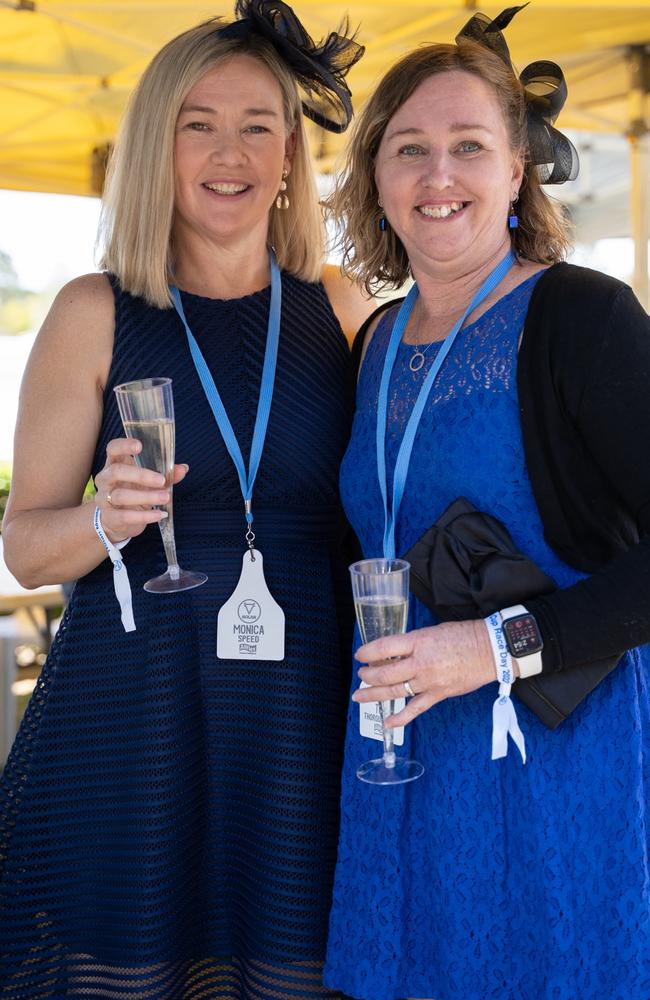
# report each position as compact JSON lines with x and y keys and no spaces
{"x":282,"y":200}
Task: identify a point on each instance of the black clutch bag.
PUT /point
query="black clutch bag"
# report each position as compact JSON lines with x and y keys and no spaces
{"x":467,"y":566}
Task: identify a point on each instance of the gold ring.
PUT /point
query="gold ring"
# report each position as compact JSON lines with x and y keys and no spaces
{"x":409,"y":690}
{"x":108,"y":500}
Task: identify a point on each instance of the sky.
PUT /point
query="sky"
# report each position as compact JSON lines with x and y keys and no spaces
{"x":50,"y":238}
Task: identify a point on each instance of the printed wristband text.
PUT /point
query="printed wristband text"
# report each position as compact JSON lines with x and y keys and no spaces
{"x":504,"y":716}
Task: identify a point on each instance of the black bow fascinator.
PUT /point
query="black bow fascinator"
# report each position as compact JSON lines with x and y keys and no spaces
{"x":319,"y":69}
{"x":545,"y":91}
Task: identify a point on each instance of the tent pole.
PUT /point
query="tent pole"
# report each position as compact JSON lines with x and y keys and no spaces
{"x":639,"y":138}
{"x":640,"y":211}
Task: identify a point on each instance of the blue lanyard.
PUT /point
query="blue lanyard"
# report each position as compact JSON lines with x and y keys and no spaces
{"x":400,"y":474}
{"x":246,"y":480}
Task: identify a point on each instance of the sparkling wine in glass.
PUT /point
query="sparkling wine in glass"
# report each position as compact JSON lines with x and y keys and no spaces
{"x":147,"y":411}
{"x":381,"y":598}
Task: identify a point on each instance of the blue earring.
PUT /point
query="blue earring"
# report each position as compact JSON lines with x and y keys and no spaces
{"x":382,"y":218}
{"x":513,"y":218}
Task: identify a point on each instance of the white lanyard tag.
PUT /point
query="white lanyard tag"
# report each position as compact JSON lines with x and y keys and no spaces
{"x":250,"y":625}
{"x":370,"y":720}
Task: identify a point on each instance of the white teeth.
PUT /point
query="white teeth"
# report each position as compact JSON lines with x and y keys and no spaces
{"x":227,"y":188}
{"x":441,"y":211}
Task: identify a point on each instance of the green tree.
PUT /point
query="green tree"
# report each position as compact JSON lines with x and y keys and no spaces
{"x":18,"y":306}
{"x":8,"y":276}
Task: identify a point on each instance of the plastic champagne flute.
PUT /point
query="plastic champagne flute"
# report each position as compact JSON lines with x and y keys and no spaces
{"x":147,"y":411}
{"x":380,"y":588}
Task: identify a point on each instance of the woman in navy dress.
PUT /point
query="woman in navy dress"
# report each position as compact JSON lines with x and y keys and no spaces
{"x":168,"y":819}
{"x":495,"y":878}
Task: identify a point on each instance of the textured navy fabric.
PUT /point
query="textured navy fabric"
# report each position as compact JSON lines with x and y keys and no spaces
{"x":168,"y":820}
{"x":488,"y":880}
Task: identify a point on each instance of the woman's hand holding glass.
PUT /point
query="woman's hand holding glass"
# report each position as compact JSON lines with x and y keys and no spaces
{"x":128,"y":495}
{"x":438,"y":662}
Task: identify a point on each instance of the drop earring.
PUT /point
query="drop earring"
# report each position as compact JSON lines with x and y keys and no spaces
{"x":282,"y":200}
{"x":513,"y":218}
{"x":382,"y":218}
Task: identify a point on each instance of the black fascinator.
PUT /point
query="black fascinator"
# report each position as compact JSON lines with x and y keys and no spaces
{"x":319,"y":69}
{"x":545,"y":91}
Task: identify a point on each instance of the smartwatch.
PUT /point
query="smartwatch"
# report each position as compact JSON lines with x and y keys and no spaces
{"x":523,"y":639}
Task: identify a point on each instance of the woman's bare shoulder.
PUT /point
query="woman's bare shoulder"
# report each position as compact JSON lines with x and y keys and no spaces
{"x":87,"y":292}
{"x":76,"y":338}
{"x":349,"y":300}
{"x":83,"y":308}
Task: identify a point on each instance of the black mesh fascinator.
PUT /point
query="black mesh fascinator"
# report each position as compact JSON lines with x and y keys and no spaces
{"x":545,"y":90}
{"x":319,"y":69}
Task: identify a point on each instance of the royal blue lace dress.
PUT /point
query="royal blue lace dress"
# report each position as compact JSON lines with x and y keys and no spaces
{"x":488,"y":880}
{"x":168,"y":820}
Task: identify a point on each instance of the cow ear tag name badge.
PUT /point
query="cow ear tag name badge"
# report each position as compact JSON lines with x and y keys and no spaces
{"x":250,"y":625}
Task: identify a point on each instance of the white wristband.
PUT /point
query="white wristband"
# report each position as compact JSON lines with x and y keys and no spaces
{"x":120,"y":575}
{"x":504,"y":716}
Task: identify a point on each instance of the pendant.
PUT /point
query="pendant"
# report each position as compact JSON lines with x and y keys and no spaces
{"x":416,"y":361}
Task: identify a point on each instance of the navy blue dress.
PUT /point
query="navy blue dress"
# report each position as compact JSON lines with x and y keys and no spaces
{"x":168,"y":820}
{"x":488,"y":880}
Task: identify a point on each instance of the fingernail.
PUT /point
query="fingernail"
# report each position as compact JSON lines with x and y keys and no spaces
{"x":163,"y":514}
{"x":186,"y":467}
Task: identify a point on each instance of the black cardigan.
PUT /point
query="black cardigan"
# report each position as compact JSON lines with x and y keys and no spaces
{"x":584,"y":397}
{"x":583,"y":381}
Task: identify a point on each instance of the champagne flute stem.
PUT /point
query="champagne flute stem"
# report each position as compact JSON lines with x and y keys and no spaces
{"x":167,"y":532}
{"x":386,"y":708}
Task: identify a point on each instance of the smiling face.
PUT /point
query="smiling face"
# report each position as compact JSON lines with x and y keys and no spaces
{"x":446,"y":174}
{"x":231,"y":146}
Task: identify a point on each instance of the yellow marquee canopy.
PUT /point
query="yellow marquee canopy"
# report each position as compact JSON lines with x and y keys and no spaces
{"x":67,"y":66}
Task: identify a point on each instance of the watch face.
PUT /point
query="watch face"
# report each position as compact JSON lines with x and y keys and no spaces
{"x":522,"y":635}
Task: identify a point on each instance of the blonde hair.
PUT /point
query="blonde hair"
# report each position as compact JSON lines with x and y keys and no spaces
{"x":378,"y":258}
{"x":138,"y":204}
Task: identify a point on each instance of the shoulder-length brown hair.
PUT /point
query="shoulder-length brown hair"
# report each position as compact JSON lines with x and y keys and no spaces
{"x":377,"y":258}
{"x":138,"y":205}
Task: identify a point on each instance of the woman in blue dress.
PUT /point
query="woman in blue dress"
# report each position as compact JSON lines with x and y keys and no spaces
{"x":524,"y":876}
{"x":169,"y":817}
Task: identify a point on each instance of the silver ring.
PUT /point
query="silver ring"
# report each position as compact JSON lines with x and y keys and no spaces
{"x":108,"y":500}
{"x":409,"y":690}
